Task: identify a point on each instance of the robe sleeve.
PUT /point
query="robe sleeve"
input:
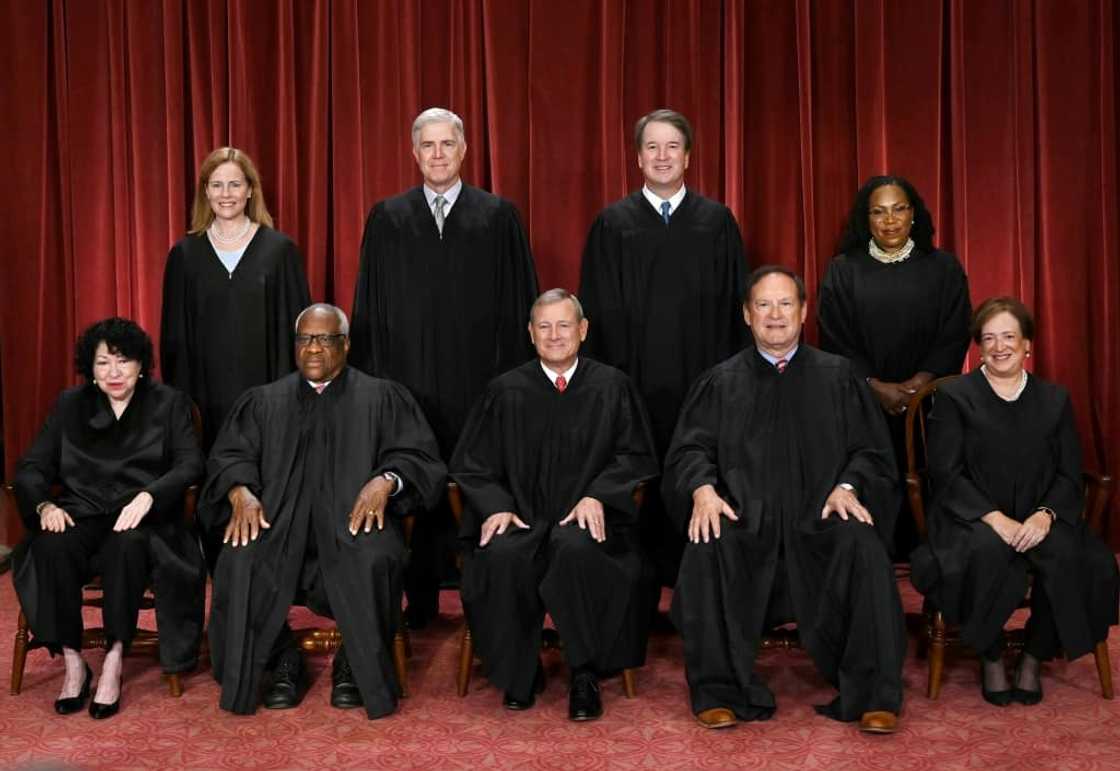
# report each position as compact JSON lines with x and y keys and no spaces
{"x":634,"y":459}
{"x":692,"y":460}
{"x":408,"y":448}
{"x":870,"y":466}
{"x":234,"y":460}
{"x":186,"y":461}
{"x":517,"y":276}
{"x":175,"y":326}
{"x":600,"y":292}
{"x":1066,"y":494}
{"x":366,"y":336}
{"x":291,"y":297}
{"x":836,"y":319}
{"x":478,"y":467}
{"x":953,"y":489}
{"x":947,"y":353}
{"x":38,"y":469}
{"x":733,"y":331}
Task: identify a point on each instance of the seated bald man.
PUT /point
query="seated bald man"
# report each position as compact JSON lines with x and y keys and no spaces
{"x":548,"y":464}
{"x":308,"y":479}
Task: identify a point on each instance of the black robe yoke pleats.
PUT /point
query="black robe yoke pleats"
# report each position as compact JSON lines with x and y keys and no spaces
{"x":774,"y":446}
{"x":531,"y":450}
{"x":306,"y":456}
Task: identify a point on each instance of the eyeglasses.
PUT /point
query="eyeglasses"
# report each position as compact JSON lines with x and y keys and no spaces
{"x":323,"y":341}
{"x":898,"y":210}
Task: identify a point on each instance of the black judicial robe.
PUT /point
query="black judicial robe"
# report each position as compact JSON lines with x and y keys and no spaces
{"x":987,"y":454}
{"x":221,"y":334}
{"x":665,"y":301}
{"x":774,"y":446}
{"x":102,"y":463}
{"x":531,"y":450}
{"x":893,"y":320}
{"x":443,"y":316}
{"x":306,"y":456}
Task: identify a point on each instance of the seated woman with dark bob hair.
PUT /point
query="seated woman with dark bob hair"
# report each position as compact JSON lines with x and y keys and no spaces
{"x":1005,"y":468}
{"x":120,"y":452}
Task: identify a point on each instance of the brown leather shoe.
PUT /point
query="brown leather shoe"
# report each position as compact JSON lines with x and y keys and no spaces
{"x":716,"y":717}
{"x":878,"y":722}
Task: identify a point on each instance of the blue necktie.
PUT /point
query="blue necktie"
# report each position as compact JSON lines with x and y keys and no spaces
{"x":665,"y":206}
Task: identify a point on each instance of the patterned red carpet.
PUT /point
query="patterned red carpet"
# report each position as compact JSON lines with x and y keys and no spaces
{"x":1073,"y":728}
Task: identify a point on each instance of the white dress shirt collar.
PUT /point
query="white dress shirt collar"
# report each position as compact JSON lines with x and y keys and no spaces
{"x":566,"y":373}
{"x":449,"y":197}
{"x":775,"y":359}
{"x":655,"y":200}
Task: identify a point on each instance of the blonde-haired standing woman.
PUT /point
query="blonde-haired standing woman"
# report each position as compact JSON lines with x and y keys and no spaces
{"x":232,"y":289}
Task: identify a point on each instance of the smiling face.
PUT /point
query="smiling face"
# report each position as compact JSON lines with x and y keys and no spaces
{"x":890,"y":217}
{"x":775,"y":313}
{"x":662,"y":157}
{"x":114,"y":374}
{"x":1003,"y":349}
{"x":228,"y":191}
{"x":321,"y":348}
{"x":439,"y":152}
{"x":557,"y":331}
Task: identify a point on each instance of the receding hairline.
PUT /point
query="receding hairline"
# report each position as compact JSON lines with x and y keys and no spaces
{"x":554,"y":296}
{"x":436,"y":115}
{"x":339,"y":314}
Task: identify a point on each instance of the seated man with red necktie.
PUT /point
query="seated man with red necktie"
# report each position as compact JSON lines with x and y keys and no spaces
{"x":782,"y":475}
{"x":547,"y":464}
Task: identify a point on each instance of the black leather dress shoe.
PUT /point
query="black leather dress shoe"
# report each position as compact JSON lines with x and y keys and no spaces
{"x":584,"y":702}
{"x":286,"y":689}
{"x":510,"y":702}
{"x":74,"y":704}
{"x":344,"y":688}
{"x":100,"y":711}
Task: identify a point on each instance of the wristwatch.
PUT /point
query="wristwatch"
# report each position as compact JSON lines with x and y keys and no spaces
{"x":398,"y":483}
{"x":41,"y":506}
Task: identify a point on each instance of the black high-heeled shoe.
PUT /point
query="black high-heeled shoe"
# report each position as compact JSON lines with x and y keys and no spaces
{"x":100,"y":711}
{"x":1022,"y":695}
{"x":995,"y":698}
{"x":72,"y":704}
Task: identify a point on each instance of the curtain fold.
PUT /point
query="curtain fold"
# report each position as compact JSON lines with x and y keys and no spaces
{"x":1002,"y":112}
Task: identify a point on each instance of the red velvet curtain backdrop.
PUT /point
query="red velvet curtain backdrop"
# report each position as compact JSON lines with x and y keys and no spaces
{"x":1003,"y":112}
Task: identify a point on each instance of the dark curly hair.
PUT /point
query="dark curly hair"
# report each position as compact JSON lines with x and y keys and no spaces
{"x":123,"y":336}
{"x":857,"y":232}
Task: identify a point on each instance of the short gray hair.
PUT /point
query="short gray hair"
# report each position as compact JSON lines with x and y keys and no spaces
{"x":555,"y":296}
{"x":343,"y":322}
{"x":437,"y":115}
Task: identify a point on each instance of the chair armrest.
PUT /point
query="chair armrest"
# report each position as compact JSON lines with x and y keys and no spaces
{"x":1098,"y":489}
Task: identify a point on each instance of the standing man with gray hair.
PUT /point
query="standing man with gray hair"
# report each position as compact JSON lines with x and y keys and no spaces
{"x":443,"y":291}
{"x":662,"y":279}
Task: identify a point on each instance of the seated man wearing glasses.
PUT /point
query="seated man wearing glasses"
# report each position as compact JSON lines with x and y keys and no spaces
{"x":301,"y":478}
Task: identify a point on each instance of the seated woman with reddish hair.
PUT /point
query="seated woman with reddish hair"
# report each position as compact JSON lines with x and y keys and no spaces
{"x":101,"y":493}
{"x":1005,"y":467}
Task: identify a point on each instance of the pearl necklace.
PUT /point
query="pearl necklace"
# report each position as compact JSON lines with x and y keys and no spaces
{"x":898,"y":256}
{"x":1018,"y":391}
{"x":227,"y":240}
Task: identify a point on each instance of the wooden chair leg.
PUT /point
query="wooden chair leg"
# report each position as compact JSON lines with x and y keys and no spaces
{"x":19,"y":654}
{"x":936,"y":655}
{"x":1104,"y":668}
{"x":400,"y":662}
{"x":466,"y":659}
{"x":628,"y":683}
{"x":175,"y":684}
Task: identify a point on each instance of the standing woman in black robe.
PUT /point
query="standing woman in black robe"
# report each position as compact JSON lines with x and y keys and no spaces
{"x":232,"y":289}
{"x":122,"y":451}
{"x":896,"y":306}
{"x":1005,"y":467}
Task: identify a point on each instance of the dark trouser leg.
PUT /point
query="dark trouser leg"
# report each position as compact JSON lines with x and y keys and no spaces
{"x":859,"y":637}
{"x":594,"y":593}
{"x":62,"y":566}
{"x":124,"y":576}
{"x":504,"y":608}
{"x":718,"y":605}
{"x":430,"y":552}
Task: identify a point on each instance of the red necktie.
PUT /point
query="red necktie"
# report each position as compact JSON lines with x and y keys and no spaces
{"x":781,"y":365}
{"x":319,"y":388}
{"x":561,"y":383}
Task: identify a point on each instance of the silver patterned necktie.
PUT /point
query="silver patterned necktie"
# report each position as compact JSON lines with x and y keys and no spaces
{"x":665,"y":207}
{"x":437,"y":211}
